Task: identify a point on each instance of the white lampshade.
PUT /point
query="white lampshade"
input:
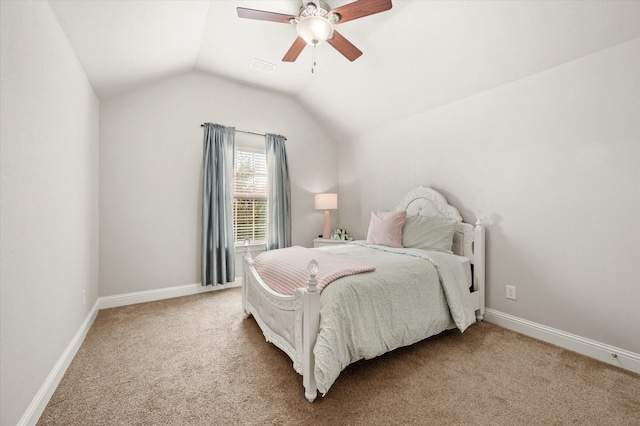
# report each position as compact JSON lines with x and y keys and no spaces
{"x":315,"y":29}
{"x":326,"y":201}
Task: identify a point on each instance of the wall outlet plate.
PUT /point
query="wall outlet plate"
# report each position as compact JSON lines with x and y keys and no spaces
{"x":511,"y":292}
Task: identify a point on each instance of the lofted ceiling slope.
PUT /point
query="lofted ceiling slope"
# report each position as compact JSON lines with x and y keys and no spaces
{"x":417,"y":56}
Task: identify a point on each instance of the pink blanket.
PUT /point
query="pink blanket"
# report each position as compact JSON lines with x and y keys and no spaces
{"x":284,"y":270}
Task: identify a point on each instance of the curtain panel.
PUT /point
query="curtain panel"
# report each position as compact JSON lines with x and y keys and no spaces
{"x":279,"y":193}
{"x":218,"y":258}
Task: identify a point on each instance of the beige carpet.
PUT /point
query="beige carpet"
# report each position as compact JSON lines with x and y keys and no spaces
{"x":195,"y":361}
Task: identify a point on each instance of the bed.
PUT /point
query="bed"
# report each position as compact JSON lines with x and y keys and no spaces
{"x":364,"y":315}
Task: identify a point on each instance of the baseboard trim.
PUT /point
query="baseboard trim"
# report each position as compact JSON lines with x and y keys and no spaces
{"x":600,"y":351}
{"x":160,"y":294}
{"x":40,"y":401}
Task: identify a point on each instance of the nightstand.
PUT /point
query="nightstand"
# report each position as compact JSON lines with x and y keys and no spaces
{"x":322,"y":242}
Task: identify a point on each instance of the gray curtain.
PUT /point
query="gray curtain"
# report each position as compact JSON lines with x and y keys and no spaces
{"x":279,"y":201}
{"x":218,"y":260}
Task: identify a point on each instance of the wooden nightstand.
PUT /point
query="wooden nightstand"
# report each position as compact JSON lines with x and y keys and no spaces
{"x":322,"y":242}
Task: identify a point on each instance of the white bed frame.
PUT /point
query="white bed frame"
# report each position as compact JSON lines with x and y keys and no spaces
{"x":291,"y":322}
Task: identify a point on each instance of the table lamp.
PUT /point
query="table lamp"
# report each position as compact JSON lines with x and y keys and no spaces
{"x":326,"y":202}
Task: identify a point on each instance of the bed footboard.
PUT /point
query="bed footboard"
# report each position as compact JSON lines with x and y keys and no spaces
{"x":289,"y":322}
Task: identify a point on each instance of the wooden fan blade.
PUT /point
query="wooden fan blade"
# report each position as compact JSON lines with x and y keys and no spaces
{"x":294,"y":51}
{"x":344,"y":46}
{"x":264,"y":15}
{"x":361,"y":8}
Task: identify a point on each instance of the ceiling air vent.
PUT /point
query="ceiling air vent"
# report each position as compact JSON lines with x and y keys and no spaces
{"x":262,"y":66}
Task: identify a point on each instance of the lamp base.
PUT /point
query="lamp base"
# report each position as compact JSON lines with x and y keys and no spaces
{"x":326,"y":230}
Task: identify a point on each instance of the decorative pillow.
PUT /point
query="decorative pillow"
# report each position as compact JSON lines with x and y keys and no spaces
{"x":385,"y":228}
{"x":428,"y":233}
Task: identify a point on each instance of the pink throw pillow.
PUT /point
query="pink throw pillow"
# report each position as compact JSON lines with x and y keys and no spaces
{"x":385,"y":228}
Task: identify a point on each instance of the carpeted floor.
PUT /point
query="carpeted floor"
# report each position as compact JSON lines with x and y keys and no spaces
{"x":195,"y":361}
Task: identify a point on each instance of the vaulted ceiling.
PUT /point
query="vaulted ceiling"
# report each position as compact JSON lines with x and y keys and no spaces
{"x":417,"y":56}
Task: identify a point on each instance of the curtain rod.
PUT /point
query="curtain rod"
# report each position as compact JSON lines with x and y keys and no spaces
{"x":247,"y":132}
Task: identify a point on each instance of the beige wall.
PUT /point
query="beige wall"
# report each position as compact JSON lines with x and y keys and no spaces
{"x":554,"y":161}
{"x":49,"y":200}
{"x":150,"y":173}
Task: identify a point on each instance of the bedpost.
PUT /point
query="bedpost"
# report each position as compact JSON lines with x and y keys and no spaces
{"x":247,"y":262}
{"x":311,"y":323}
{"x":479,"y":260}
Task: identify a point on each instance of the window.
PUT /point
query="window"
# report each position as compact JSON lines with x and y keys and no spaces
{"x":250,"y":196}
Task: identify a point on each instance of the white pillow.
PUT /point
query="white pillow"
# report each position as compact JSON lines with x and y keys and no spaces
{"x":428,"y":233}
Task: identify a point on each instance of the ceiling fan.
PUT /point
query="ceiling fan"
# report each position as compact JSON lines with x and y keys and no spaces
{"x":315,"y":24}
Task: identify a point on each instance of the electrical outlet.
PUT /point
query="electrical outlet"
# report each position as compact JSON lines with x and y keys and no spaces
{"x":84,"y":298}
{"x":511,"y":292}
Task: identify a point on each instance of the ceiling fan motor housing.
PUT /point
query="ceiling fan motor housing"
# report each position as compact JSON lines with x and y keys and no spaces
{"x":317,"y":8}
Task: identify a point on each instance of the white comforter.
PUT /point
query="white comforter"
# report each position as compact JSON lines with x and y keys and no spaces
{"x":406,"y":299}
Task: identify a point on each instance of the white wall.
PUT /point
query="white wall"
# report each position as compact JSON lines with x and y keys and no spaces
{"x":554,"y":161}
{"x":49,"y":200}
{"x":151,"y":165}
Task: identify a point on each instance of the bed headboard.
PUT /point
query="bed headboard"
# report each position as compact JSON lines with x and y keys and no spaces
{"x":428,"y":202}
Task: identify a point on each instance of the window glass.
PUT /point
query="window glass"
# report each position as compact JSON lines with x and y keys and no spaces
{"x":250,"y":196}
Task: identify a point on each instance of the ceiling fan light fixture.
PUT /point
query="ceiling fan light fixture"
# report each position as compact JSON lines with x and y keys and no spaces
{"x":315,"y":29}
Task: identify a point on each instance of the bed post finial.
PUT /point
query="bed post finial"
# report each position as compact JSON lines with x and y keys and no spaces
{"x":312,"y":283}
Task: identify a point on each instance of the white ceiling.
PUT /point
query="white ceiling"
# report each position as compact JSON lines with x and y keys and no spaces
{"x":417,"y":56}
